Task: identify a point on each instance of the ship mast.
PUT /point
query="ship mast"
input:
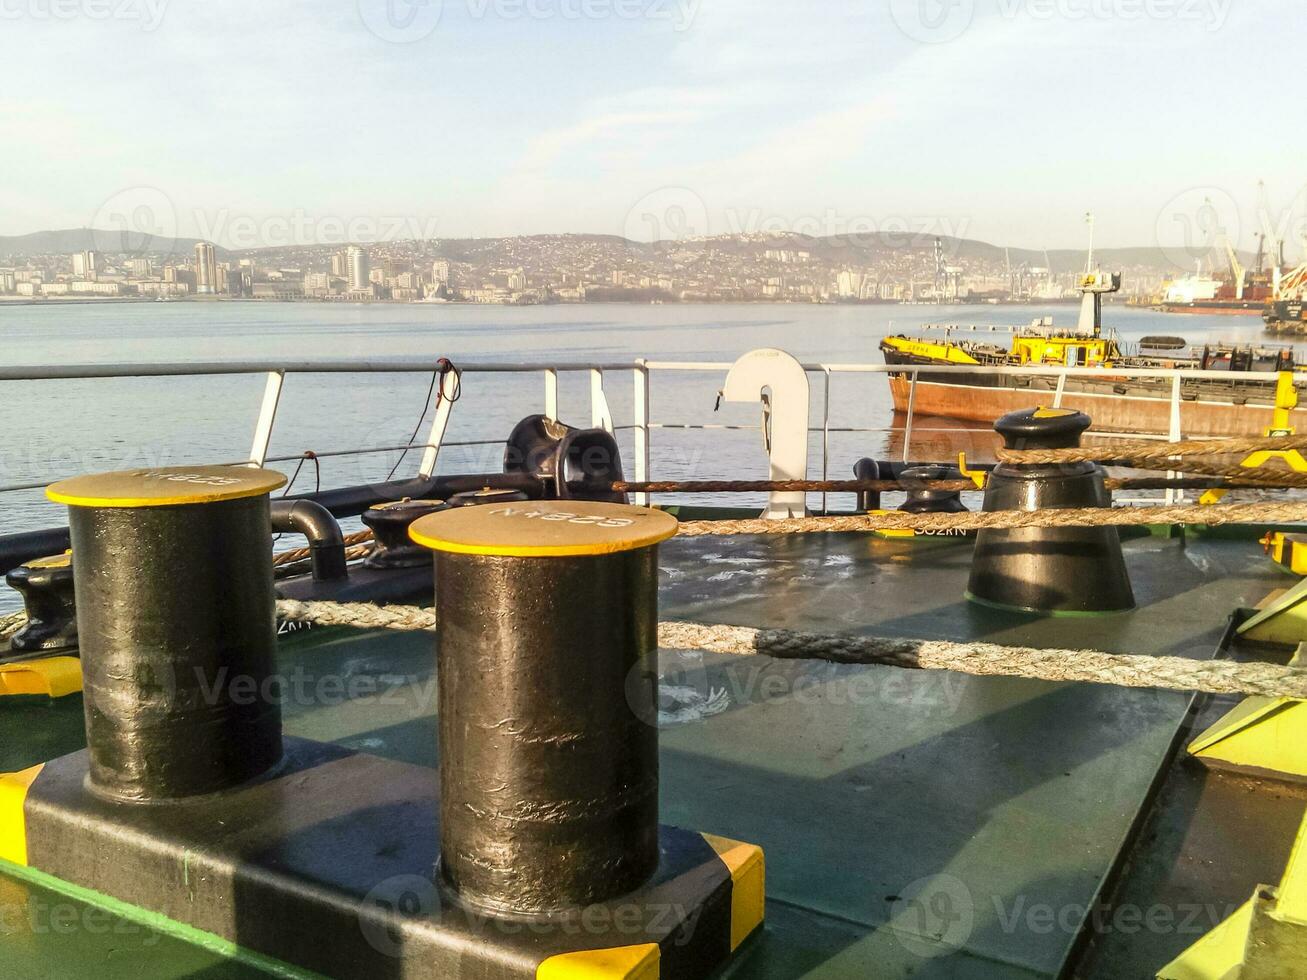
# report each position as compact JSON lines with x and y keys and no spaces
{"x":1093,"y":284}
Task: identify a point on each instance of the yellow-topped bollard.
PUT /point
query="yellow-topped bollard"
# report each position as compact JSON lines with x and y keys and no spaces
{"x":174,"y":590}
{"x":547,"y":615}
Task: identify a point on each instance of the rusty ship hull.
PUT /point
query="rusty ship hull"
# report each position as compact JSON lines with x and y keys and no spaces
{"x":1246,"y":409}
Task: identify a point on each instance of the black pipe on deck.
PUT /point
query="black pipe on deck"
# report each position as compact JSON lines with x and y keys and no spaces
{"x":353,"y":501}
{"x":315,"y":522}
{"x":15,"y":549}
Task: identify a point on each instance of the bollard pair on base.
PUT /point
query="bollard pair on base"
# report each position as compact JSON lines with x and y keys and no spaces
{"x":550,"y":861}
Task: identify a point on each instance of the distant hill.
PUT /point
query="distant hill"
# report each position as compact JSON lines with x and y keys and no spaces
{"x":837,"y":249}
{"x":71,"y":240}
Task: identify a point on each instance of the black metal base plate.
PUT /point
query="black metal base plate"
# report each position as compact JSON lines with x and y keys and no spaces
{"x":329,"y":864}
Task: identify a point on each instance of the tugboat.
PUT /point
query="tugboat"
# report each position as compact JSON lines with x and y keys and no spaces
{"x":1286,"y":316}
{"x":1229,"y":405}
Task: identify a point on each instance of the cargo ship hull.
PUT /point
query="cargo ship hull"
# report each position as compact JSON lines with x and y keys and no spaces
{"x":1141,"y":409}
{"x":1217,"y":307}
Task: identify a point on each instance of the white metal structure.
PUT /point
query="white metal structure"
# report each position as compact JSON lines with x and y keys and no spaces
{"x":777,"y":380}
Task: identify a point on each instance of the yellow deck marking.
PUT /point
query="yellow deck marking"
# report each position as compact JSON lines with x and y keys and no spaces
{"x":623,"y":963}
{"x":166,"y":486}
{"x":543,"y":529}
{"x":748,"y":884}
{"x":55,"y":677}
{"x":13,"y":824}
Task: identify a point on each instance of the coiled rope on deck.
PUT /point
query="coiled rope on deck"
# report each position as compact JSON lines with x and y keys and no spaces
{"x":979,"y":659}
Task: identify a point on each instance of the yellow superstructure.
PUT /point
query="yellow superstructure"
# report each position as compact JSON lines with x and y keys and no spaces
{"x":1026,"y":349}
{"x":1064,"y":351}
{"x":949,"y":353}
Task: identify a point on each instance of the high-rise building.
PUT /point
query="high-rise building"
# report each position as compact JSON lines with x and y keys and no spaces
{"x":206,"y":269}
{"x":340,"y":264}
{"x":440,"y":272}
{"x":359,"y":268}
{"x":84,"y":265}
{"x":139,"y":268}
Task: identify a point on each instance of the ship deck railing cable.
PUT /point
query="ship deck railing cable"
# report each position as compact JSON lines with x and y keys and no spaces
{"x":1157,"y":454}
{"x":1224,"y":479}
{"x":1192,"y":515}
{"x":1195,"y":515}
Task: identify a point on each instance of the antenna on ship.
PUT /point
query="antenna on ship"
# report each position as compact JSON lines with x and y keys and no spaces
{"x":1089,"y":258}
{"x":1093,"y":285}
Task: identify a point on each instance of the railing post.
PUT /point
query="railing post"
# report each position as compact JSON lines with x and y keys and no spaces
{"x":907,"y":426}
{"x":1172,"y":495}
{"x":551,"y":394}
{"x":267,"y":416}
{"x":601,"y":416}
{"x":640,"y":412}
{"x":825,"y":436}
{"x":449,"y":383}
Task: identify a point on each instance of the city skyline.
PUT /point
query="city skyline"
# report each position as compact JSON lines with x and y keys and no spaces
{"x":574,"y":268}
{"x":656,"y":118}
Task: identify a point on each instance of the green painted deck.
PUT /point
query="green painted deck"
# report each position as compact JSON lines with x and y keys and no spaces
{"x":915,"y":824}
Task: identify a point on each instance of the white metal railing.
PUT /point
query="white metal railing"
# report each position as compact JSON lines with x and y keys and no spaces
{"x":642,"y":425}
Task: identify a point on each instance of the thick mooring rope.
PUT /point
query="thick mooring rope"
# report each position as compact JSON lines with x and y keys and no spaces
{"x":981,"y":659}
{"x":351,"y":543}
{"x":1259,"y":513}
{"x":1142,"y":451}
{"x":1223,"y":480}
{"x":12,"y":623}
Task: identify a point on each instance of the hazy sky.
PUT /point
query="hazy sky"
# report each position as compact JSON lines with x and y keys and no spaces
{"x":254,"y":121}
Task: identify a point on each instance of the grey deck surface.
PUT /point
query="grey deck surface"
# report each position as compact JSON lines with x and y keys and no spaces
{"x":915,"y":824}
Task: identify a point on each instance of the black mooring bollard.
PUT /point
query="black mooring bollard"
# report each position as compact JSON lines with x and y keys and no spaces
{"x":174,"y":589}
{"x":547,"y":617}
{"x":1057,"y":570}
